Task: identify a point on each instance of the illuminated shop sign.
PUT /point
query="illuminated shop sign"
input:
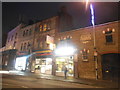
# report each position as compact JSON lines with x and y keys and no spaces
{"x":43,"y":52}
{"x":49,"y":39}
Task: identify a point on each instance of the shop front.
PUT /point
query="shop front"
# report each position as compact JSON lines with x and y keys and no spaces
{"x":43,"y":62}
{"x":20,"y":63}
{"x":62,"y":62}
{"x":43,"y":65}
{"x":64,"y":58}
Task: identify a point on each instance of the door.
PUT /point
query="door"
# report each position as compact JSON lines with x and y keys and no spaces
{"x":110,"y":66}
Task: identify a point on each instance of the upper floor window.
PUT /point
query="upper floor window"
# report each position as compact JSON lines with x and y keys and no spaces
{"x":27,"y":32}
{"x":8,"y":39}
{"x":24,"y":46}
{"x":21,"y":47}
{"x":45,"y":27}
{"x":41,"y":27}
{"x":109,"y":35}
{"x":49,"y":27}
{"x":14,"y":44}
{"x":28,"y":45}
{"x":15,"y":35}
{"x":30,"y":31}
{"x":84,"y":53}
{"x":12,"y":38}
{"x":23,"y":33}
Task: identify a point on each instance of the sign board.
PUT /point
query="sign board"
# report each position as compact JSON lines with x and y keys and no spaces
{"x":85,"y":37}
{"x":49,"y":39}
{"x":95,"y":53}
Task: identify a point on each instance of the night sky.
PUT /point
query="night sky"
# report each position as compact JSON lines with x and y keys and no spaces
{"x":104,"y":12}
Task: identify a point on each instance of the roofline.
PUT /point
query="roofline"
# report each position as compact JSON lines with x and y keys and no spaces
{"x":92,"y":26}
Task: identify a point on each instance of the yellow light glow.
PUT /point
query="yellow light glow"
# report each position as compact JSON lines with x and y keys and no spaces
{"x":107,"y":71}
{"x":88,"y":51}
{"x":113,"y":30}
{"x":103,"y":32}
{"x":87,"y":1}
{"x":65,"y":51}
{"x":108,"y":29}
{"x":84,"y":49}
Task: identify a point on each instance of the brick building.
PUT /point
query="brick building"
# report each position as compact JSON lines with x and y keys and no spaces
{"x":46,"y":47}
{"x":82,"y":60}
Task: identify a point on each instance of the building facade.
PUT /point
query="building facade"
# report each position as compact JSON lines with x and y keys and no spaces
{"x":82,"y":61}
{"x":44,"y":47}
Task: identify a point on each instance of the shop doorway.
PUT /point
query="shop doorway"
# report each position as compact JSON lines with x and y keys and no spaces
{"x":110,"y":66}
{"x":64,"y":61}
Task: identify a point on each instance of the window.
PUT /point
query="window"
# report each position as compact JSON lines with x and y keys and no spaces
{"x":109,"y":35}
{"x":12,"y":38}
{"x":23,"y":33}
{"x":27,"y":32}
{"x":8,"y":39}
{"x":21,"y":46}
{"x":109,"y":38}
{"x":41,"y":27}
{"x":28,"y":45}
{"x":84,"y":53}
{"x":30,"y":32}
{"x":41,"y":44}
{"x":45,"y":27}
{"x":15,"y":35}
{"x":14,"y":44}
{"x":49,"y":27}
{"x":24,"y":46}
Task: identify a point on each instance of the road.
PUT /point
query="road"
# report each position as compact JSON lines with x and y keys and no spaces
{"x":14,"y":81}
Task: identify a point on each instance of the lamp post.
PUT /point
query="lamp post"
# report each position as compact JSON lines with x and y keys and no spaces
{"x":94,"y":39}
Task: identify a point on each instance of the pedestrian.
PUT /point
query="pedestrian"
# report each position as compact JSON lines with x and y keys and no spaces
{"x":65,"y":71}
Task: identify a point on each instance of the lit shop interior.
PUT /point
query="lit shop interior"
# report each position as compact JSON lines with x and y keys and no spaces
{"x":44,"y":65}
{"x":64,"y":58}
{"x":20,"y":63}
{"x":64,"y":61}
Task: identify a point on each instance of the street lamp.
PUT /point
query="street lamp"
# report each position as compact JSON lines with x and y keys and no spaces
{"x":94,"y":38}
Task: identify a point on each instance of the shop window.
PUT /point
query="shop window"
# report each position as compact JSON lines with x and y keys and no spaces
{"x":41,"y":28}
{"x":43,"y":62}
{"x":45,"y":27}
{"x":85,"y":54}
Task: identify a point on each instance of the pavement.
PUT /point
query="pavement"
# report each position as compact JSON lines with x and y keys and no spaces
{"x":99,"y":83}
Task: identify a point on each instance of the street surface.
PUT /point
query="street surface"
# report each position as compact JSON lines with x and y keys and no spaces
{"x":14,"y":81}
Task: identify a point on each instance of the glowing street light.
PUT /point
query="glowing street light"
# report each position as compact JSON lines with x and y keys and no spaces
{"x":64,"y":51}
{"x":94,"y":38}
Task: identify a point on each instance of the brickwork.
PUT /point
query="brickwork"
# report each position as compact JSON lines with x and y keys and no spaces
{"x":83,"y":38}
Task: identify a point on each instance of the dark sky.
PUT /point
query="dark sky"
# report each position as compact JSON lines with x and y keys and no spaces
{"x":104,"y":12}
